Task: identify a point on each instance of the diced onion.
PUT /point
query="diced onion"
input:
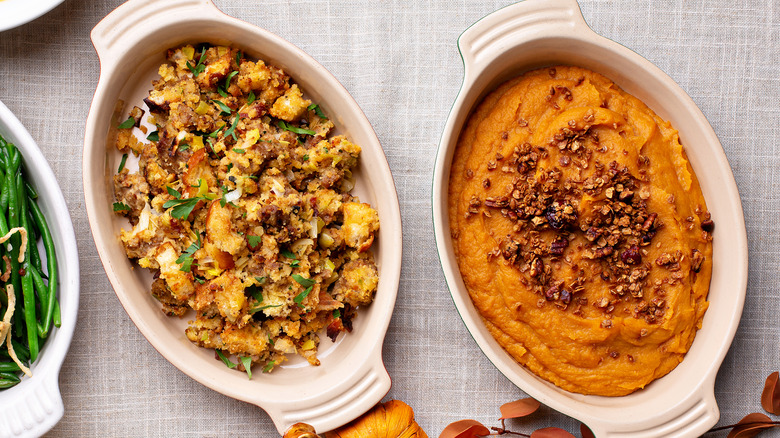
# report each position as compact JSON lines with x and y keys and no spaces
{"x":233,"y":195}
{"x":313,"y":228}
{"x":300,"y":243}
{"x":277,"y":188}
{"x":347,"y":184}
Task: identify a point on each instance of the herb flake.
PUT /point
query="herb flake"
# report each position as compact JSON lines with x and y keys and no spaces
{"x":121,"y":206}
{"x":122,"y":163}
{"x":294,"y":129}
{"x":301,"y":296}
{"x":127,"y":124}
{"x":303,"y":281}
{"x":228,"y":362}
{"x":199,"y":67}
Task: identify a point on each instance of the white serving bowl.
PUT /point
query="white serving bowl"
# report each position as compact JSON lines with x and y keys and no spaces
{"x":131,"y":43}
{"x":15,"y":13}
{"x":537,"y":33}
{"x":35,"y":405}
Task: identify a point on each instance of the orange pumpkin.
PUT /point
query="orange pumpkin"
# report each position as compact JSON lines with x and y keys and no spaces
{"x":392,"y":419}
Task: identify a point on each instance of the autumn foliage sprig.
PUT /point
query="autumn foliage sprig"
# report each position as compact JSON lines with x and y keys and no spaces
{"x":750,"y":426}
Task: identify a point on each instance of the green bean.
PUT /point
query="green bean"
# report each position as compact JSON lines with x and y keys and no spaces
{"x":3,"y":193}
{"x":28,"y":291}
{"x":5,"y":384}
{"x":9,"y":376}
{"x":43,"y":296}
{"x":21,"y":351}
{"x":57,"y":314}
{"x":30,"y":190}
{"x":9,"y":367}
{"x":51,"y":264}
{"x":13,"y":222}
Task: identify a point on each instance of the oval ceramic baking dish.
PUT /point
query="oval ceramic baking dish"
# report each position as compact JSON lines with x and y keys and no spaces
{"x":537,"y":33}
{"x":131,"y":43}
{"x":34,"y":406}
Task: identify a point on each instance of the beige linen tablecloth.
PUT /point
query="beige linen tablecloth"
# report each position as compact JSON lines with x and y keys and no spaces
{"x":400,"y":62}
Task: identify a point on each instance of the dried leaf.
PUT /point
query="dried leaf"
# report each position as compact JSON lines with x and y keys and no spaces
{"x":770,"y":398}
{"x":751,"y":426}
{"x":551,"y":432}
{"x":586,"y":432}
{"x":464,"y":429}
{"x":519,"y":408}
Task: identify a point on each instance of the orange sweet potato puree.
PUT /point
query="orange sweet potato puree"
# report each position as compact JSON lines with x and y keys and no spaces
{"x":581,"y":231}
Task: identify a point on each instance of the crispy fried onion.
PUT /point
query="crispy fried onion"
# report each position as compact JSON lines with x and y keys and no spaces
{"x":23,"y":247}
{"x":7,"y":272}
{"x":5,"y":328}
{"x":5,"y":324}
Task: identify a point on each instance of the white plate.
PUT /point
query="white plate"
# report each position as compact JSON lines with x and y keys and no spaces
{"x":34,"y":406}
{"x":18,"y":12}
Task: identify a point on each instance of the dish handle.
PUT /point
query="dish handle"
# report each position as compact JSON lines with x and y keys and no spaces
{"x":702,"y":413}
{"x":334,"y":408}
{"x":112,"y":35}
{"x":486,"y":39}
{"x":38,"y":407}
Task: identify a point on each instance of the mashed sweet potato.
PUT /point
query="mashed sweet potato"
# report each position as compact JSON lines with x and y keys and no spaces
{"x":581,"y":231}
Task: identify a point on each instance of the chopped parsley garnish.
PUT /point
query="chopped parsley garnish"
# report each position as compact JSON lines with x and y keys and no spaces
{"x":173,"y":192}
{"x":122,"y":163}
{"x":182,"y":207}
{"x":153,"y":136}
{"x":247,"y":363}
{"x":223,"y":107}
{"x":303,"y":281}
{"x":257,"y":309}
{"x":214,"y":134}
{"x":224,"y":358}
{"x":251,"y":98}
{"x":294,"y":129}
{"x":120,"y":206}
{"x":222,"y":201}
{"x":229,"y":77}
{"x":127,"y":124}
{"x":337,"y":313}
{"x":239,"y":150}
{"x":211,"y":145}
{"x":317,"y":110}
{"x":306,"y":157}
{"x":269,"y":366}
{"x":254,"y":241}
{"x":199,"y":67}
{"x":232,"y":129}
{"x":301,"y":296}
{"x":289,"y":254}
{"x":256,"y":293}
{"x":187,"y":257}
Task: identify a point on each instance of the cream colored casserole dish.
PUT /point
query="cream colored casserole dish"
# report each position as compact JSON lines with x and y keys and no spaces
{"x":537,"y":33}
{"x":131,"y":43}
